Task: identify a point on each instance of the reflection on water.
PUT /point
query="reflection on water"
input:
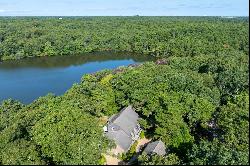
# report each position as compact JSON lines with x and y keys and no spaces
{"x":65,"y":61}
{"x":27,"y":79}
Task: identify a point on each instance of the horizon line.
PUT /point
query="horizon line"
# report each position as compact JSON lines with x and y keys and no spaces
{"x":127,"y":16}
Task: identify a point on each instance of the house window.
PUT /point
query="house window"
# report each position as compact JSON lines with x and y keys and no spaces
{"x":137,"y":128}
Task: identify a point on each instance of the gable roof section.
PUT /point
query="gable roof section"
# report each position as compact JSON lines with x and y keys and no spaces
{"x":157,"y":147}
{"x":126,"y":119}
{"x":121,"y":139}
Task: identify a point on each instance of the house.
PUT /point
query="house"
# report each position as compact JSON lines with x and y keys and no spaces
{"x":123,"y":128}
{"x":157,"y":147}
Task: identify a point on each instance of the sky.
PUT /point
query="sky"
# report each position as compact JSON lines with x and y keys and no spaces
{"x":124,"y":7}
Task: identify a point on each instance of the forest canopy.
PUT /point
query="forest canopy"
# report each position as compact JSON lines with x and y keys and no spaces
{"x":22,"y":37}
{"x":196,"y":101}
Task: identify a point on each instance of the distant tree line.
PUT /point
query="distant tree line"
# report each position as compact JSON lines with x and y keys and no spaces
{"x":22,"y":37}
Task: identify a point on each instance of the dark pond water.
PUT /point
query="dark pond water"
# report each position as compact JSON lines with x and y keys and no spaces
{"x":27,"y":79}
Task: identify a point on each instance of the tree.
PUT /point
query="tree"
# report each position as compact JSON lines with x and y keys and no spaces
{"x":154,"y":159}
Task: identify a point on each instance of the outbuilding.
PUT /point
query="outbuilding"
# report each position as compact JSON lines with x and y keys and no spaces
{"x":157,"y":147}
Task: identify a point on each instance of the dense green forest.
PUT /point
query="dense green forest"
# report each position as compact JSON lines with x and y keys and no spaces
{"x":195,"y":99}
{"x":158,"y":36}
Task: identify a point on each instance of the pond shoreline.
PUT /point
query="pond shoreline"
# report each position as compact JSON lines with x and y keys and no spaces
{"x":82,"y":54}
{"x":27,"y":79}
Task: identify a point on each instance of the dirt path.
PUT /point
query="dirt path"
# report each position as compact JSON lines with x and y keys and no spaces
{"x":142,"y":142}
{"x":111,"y":160}
{"x":115,"y":161}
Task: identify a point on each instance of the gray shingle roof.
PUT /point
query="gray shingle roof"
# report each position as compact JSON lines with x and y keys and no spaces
{"x":121,"y":125}
{"x":121,"y":139}
{"x":157,"y":147}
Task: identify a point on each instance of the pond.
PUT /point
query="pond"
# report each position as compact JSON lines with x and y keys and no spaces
{"x":27,"y":79}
